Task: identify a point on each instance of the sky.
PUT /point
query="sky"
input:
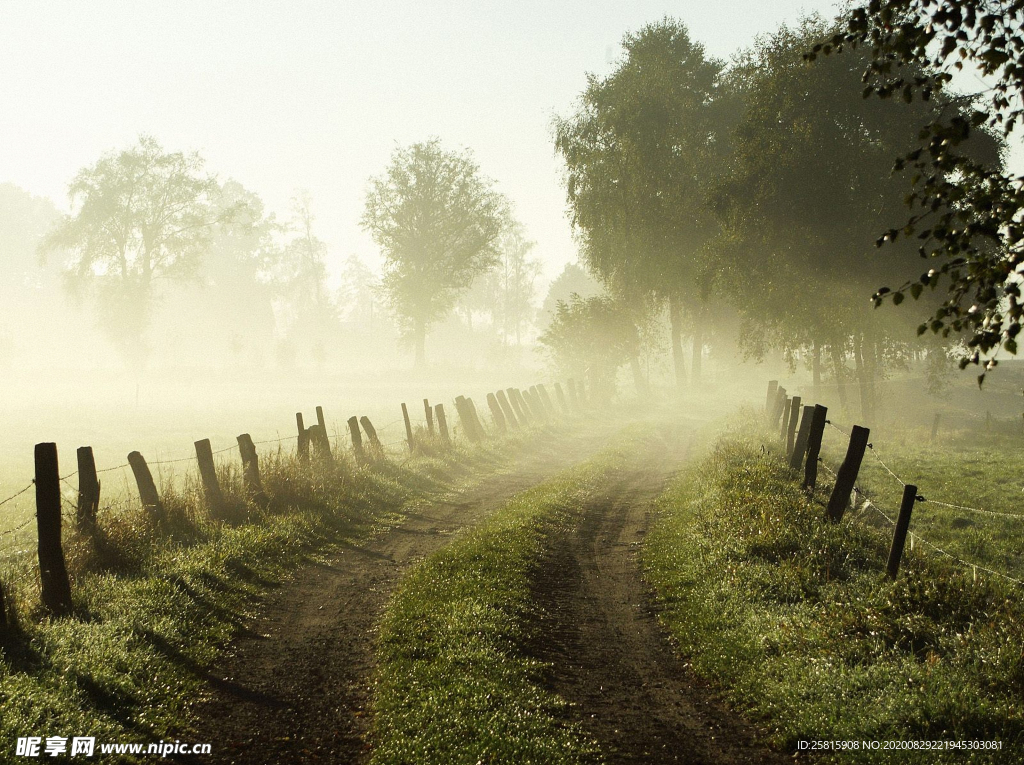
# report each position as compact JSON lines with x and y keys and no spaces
{"x":286,"y":96}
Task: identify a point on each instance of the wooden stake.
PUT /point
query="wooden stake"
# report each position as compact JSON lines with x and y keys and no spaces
{"x":408,"y":428}
{"x":794,"y":415}
{"x":323,"y":440}
{"x":251,"y":470}
{"x":208,"y":473}
{"x":147,"y":488}
{"x":442,"y":424}
{"x":53,"y":572}
{"x":477,"y":422}
{"x":517,"y":405}
{"x":88,"y":489}
{"x":796,"y":457}
{"x":780,"y":403}
{"x":506,"y":409}
{"x":371,"y":434}
{"x":769,"y":402}
{"x":546,"y":399}
{"x":560,"y":395}
{"x":785,"y":419}
{"x":428,"y":410}
{"x":814,"y":446}
{"x":899,"y":535}
{"x":303,"y":443}
{"x":846,"y":478}
{"x":357,"y":439}
{"x":496,"y":413}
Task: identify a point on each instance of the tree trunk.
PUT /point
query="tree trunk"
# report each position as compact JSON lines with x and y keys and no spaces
{"x":862,"y":348}
{"x":839,"y":370}
{"x":420,"y":339}
{"x":698,"y":351}
{"x":675,"y":315}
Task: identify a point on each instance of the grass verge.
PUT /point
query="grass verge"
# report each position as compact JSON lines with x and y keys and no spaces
{"x":154,"y":604}
{"x":796,"y":620}
{"x":453,"y":683}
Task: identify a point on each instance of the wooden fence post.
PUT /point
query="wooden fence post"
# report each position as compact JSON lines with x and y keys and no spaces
{"x":935,"y":425}
{"x":769,"y":402}
{"x":524,"y":418}
{"x":496,"y":413}
{"x":371,"y":434}
{"x":794,"y":415}
{"x":251,"y":470}
{"x":147,"y":488}
{"x":429,"y":411}
{"x":88,"y":489}
{"x":560,"y":395}
{"x":533,"y":401}
{"x":573,"y":400}
{"x":476,"y":418}
{"x":846,"y":478}
{"x":408,"y":428}
{"x":548,"y":403}
{"x":323,"y":439}
{"x":814,"y":446}
{"x":53,"y":572}
{"x":780,"y":404}
{"x":357,"y":439}
{"x":785,"y":419}
{"x":442,"y":424}
{"x":466,"y":418}
{"x":303,"y":443}
{"x":796,"y":457}
{"x":506,"y":409}
{"x":208,"y":473}
{"x":899,"y":534}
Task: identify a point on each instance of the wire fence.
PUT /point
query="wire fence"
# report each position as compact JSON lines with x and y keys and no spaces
{"x":915,"y":538}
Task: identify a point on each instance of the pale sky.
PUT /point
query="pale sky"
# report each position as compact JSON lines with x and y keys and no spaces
{"x":311,"y":95}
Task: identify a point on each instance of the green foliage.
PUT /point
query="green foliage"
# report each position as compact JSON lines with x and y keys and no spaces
{"x":796,"y":618}
{"x":591,"y":338}
{"x":437,"y":221}
{"x":964,"y":207}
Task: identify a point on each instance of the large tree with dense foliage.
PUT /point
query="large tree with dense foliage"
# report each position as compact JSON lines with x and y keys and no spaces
{"x":966,"y":211}
{"x":810,"y":186}
{"x":437,"y":221}
{"x":138,"y":216}
{"x":639,"y":151}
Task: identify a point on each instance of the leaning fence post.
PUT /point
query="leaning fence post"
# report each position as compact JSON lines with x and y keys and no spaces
{"x":780,"y":404}
{"x":769,"y":402}
{"x":147,"y":488}
{"x":322,"y":437}
{"x":251,"y":469}
{"x":53,"y":572}
{"x":208,"y":473}
{"x":371,"y":433}
{"x":357,"y":438}
{"x":899,"y":535}
{"x":477,"y":422}
{"x":814,"y":446}
{"x":408,"y":428}
{"x":496,"y":413}
{"x":794,"y":414}
{"x":468,"y":426}
{"x":506,"y":409}
{"x":846,"y":478}
{"x":442,"y":424}
{"x":523,"y":416}
{"x":785,"y":419}
{"x":544,"y":397}
{"x":303,"y":443}
{"x":796,"y":457}
{"x":429,"y":411}
{"x":88,"y":489}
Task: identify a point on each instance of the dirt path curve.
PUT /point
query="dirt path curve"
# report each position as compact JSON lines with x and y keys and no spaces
{"x":295,"y":688}
{"x":611,"y":658}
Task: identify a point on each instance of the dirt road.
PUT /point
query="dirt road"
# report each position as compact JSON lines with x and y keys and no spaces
{"x":610,"y":657}
{"x":295,"y":688}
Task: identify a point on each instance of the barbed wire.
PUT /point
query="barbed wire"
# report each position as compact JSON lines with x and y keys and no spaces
{"x":15,"y":496}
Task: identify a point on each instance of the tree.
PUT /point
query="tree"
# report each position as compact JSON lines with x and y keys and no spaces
{"x":591,"y":338}
{"x":966,"y":211}
{"x":639,"y":152}
{"x":437,"y":221}
{"x":572,"y":280}
{"x":138,"y":216}
{"x":809,"y":187}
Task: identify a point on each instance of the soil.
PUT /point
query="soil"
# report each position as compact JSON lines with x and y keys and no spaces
{"x":294,"y":687}
{"x":610,"y":657}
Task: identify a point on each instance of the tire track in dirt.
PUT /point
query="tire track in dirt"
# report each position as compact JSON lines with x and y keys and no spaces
{"x":295,"y":687}
{"x":611,"y":659}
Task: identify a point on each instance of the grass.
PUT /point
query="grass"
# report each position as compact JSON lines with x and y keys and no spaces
{"x":154,"y":603}
{"x":796,"y":620}
{"x":454,"y":684}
